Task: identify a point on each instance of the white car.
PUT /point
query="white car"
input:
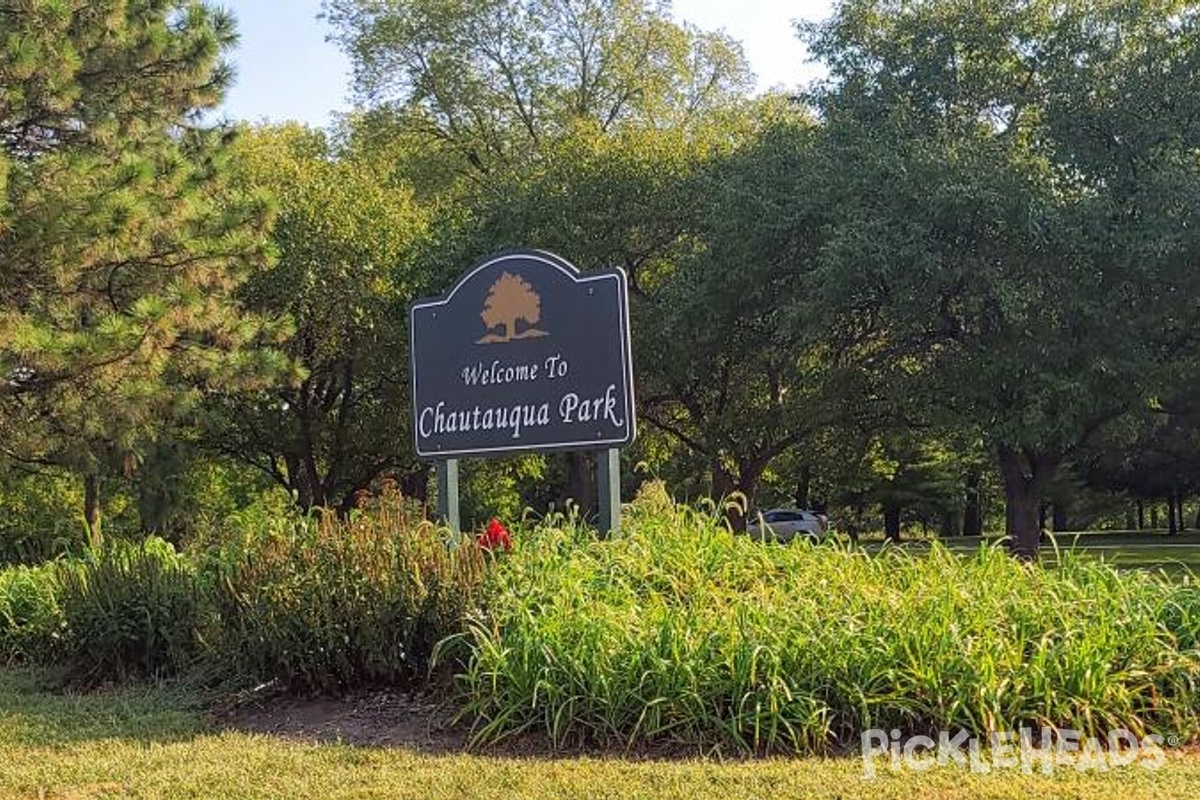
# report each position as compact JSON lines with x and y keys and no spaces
{"x":784,"y":524}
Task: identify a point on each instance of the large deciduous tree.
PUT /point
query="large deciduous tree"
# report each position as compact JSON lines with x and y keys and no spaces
{"x":344,"y":237}
{"x":561,"y":124}
{"x":120,"y":241}
{"x":732,"y":362}
{"x":1018,"y":209}
{"x":492,"y":81}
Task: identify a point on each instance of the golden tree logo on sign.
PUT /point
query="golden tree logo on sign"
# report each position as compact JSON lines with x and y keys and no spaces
{"x":511,"y":304}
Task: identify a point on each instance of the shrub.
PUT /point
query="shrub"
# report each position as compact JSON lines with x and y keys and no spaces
{"x":30,"y":621}
{"x":129,"y":610}
{"x":325,"y":603}
{"x":33,"y":527}
{"x":681,"y":631}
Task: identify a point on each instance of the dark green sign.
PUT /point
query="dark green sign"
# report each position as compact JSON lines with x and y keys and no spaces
{"x":524,"y":353}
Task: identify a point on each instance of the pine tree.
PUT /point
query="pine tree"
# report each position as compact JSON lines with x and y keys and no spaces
{"x":120,"y":241}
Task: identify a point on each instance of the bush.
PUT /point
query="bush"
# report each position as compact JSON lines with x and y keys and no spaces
{"x":128,"y":611}
{"x":681,"y":631}
{"x":30,"y":621}
{"x":325,"y":603}
{"x":33,"y":526}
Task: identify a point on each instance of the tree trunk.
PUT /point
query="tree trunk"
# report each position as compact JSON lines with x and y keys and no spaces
{"x":1026,"y":475}
{"x":312,"y":477}
{"x":1179,"y":512}
{"x":581,"y":481}
{"x":1141,"y":515}
{"x":749,"y":475}
{"x":803,"y":485}
{"x":723,"y":485}
{"x":91,"y":507}
{"x":305,"y":497}
{"x":1197,"y":525}
{"x":891,"y":522}
{"x":152,"y":508}
{"x":973,"y":507}
{"x":1060,"y":515}
{"x":728,"y":486}
{"x":1172,"y":522}
{"x":1021,"y":517}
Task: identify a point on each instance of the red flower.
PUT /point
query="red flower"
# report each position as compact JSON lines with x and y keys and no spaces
{"x":495,"y":537}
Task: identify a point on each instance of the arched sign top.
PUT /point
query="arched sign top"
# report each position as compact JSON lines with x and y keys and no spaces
{"x":568,"y":269}
{"x":524,"y":353}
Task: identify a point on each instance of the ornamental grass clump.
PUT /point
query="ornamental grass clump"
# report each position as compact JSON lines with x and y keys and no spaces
{"x":30,"y":619}
{"x":128,"y":611}
{"x":325,"y":603}
{"x":680,"y":631}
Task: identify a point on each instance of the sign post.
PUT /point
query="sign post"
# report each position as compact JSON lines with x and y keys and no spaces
{"x":447,"y":485}
{"x":608,"y":478}
{"x":524,"y":354}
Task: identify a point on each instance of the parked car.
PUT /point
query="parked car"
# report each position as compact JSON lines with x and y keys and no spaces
{"x":785,"y":524}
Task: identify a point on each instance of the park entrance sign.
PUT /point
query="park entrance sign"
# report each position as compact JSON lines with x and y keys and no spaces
{"x":523,"y":354}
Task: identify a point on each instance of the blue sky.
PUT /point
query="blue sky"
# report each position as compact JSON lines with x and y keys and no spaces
{"x":286,"y":69}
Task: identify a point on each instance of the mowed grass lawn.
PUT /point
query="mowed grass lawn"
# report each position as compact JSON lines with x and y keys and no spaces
{"x":1176,"y":555}
{"x":147,"y":742}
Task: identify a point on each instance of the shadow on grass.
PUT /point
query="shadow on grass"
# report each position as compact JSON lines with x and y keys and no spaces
{"x":34,"y":713}
{"x":37,"y":711}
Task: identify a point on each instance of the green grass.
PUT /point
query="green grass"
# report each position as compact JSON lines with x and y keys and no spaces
{"x":680,"y":631}
{"x":153,"y":743}
{"x":1178,"y":556}
{"x":676,"y":634}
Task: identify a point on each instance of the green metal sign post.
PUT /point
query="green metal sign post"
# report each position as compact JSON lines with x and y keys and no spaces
{"x":447,"y":486}
{"x":608,"y":478}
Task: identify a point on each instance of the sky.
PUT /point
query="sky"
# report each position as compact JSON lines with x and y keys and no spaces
{"x":287,"y":71}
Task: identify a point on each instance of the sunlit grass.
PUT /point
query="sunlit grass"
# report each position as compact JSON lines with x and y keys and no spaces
{"x":138,"y":742}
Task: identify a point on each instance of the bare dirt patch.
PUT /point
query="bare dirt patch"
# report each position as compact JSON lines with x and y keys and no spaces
{"x":382,"y":718}
{"x":389,"y":718}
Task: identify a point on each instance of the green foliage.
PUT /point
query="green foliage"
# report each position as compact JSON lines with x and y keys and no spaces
{"x":500,"y":488}
{"x":318,"y":603}
{"x":128,"y":611}
{"x":185,"y":495}
{"x":321,"y":603}
{"x":30,"y":619}
{"x":39,"y":522}
{"x":681,"y":631}
{"x":729,"y":358}
{"x":120,"y":238}
{"x":1017,"y":238}
{"x":344,"y":234}
{"x":486,"y":85}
